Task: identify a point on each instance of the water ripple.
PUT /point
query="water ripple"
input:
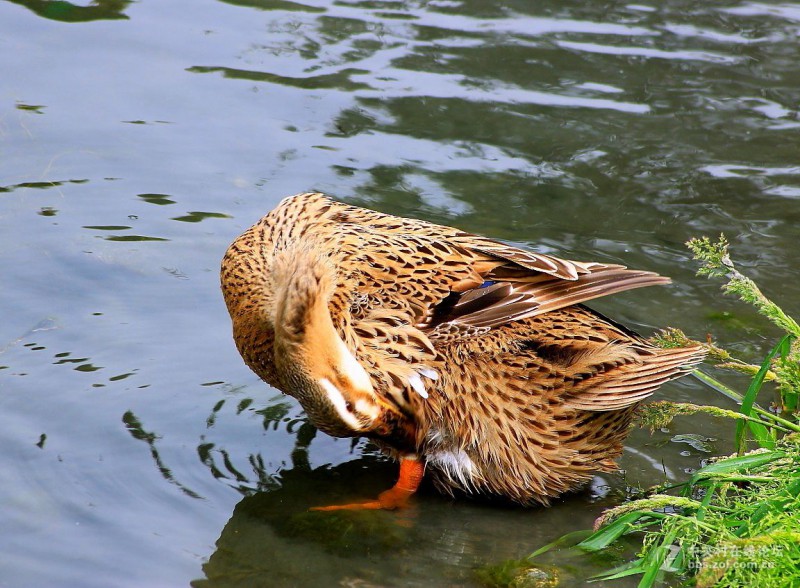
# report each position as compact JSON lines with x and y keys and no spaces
{"x":744,"y":171}
{"x":421,"y":84}
{"x":516,"y":24}
{"x":692,"y":31}
{"x":787,"y":11}
{"x":649,"y":52}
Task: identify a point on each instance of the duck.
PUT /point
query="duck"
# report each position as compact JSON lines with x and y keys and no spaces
{"x":472,"y":362}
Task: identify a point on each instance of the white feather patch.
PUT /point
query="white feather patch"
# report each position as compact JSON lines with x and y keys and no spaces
{"x":456,"y":464}
{"x":339,"y":403}
{"x":428,"y":373}
{"x":419,"y":386}
{"x":368,"y":408}
{"x":353,"y":369}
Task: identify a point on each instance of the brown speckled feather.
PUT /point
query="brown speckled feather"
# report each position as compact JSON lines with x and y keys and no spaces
{"x":477,"y":355}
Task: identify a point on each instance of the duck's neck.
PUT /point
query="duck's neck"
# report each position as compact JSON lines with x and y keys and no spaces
{"x":312,"y":360}
{"x":305,"y":335}
{"x":303,"y":284}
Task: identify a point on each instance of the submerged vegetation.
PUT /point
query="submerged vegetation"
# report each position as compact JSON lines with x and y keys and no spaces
{"x":736,"y":521}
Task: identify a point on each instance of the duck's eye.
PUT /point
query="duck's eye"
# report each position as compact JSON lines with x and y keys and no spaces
{"x":349,"y":406}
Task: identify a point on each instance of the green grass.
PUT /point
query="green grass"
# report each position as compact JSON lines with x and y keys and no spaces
{"x":736,"y":522}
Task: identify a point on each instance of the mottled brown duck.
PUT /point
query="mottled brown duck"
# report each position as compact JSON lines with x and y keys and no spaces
{"x":453,"y":352}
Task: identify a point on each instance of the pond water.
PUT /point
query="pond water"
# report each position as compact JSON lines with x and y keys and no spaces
{"x":138,"y":139}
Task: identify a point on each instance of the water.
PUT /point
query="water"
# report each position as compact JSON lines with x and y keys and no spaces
{"x":138,"y":139}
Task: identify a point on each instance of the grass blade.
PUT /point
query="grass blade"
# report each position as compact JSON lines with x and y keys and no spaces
{"x":759,"y":431}
{"x":775,"y":420}
{"x":655,"y":558}
{"x":570,"y":539}
{"x":605,"y":536}
{"x":627,"y":569}
{"x":736,"y":464}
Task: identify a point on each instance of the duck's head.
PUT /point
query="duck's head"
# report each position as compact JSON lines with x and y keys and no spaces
{"x":313,"y":363}
{"x":335,"y":390}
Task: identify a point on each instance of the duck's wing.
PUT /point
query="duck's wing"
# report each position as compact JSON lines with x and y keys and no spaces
{"x":518,"y":284}
{"x":623,"y":380}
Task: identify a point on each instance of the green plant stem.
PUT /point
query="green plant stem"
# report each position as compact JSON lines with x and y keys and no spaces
{"x":780,"y":423}
{"x":745,"y":478}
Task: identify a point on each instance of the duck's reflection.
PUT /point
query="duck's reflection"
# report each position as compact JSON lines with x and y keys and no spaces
{"x":272,"y":539}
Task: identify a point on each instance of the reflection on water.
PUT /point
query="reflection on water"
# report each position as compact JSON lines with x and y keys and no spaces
{"x":70,"y":12}
{"x":160,"y":199}
{"x":137,"y":432}
{"x":197,"y":216}
{"x":277,"y":414}
{"x":39,"y":185}
{"x":272,"y":538}
{"x":137,"y":146}
{"x":276,"y":5}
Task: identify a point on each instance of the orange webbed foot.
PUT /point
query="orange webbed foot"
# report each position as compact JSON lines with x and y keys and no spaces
{"x":411,"y":472}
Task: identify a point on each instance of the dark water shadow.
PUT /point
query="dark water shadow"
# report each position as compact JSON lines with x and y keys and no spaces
{"x":273,"y":539}
{"x":62,"y":11}
{"x":340,"y":80}
{"x":275,"y":5}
